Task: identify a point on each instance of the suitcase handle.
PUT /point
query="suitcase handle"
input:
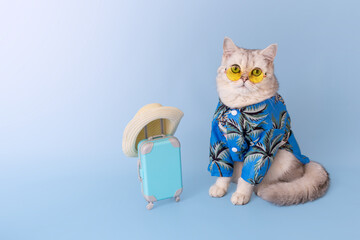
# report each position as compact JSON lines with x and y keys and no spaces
{"x":156,"y":136}
{"x":162,"y":130}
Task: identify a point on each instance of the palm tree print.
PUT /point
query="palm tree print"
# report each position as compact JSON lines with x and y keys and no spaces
{"x":220,"y":111}
{"x":251,"y":131}
{"x":253,"y":134}
{"x":282,"y":120}
{"x":254,"y":113}
{"x":263,"y":152}
{"x":246,"y":126}
{"x":288,"y":131}
{"x":251,"y":120}
{"x":235,"y":130}
{"x":218,"y":153}
{"x":287,"y":145}
{"x":243,"y":130}
{"x":278,"y":98}
{"x":256,"y":180}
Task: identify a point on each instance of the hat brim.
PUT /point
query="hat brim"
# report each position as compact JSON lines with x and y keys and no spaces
{"x":149,"y":116}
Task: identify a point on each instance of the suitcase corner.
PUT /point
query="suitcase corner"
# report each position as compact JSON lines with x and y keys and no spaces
{"x":175,"y":142}
{"x":146,"y":148}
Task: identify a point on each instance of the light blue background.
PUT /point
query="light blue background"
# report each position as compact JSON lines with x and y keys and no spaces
{"x":73,"y":73}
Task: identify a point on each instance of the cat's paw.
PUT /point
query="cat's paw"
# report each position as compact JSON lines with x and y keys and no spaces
{"x":239,"y":198}
{"x":217,"y":191}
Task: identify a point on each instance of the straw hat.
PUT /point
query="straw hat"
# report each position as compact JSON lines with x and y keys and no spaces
{"x":149,"y":115}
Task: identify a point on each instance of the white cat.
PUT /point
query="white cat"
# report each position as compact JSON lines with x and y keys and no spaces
{"x":243,"y":126}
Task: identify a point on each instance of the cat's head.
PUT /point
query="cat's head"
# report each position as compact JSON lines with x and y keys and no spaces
{"x":246,"y":76}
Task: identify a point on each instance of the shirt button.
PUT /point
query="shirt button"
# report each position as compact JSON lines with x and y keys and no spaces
{"x":234,"y":149}
{"x":233,"y":112}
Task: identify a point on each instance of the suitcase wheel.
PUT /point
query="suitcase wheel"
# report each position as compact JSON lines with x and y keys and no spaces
{"x":177,"y":198}
{"x":150,"y":206}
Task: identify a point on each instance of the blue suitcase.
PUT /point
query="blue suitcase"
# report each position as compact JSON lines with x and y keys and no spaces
{"x":159,"y":168}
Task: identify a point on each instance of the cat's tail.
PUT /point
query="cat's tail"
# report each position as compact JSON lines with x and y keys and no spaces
{"x":312,"y":185}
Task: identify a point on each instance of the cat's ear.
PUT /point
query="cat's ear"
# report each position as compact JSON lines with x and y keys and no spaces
{"x":229,"y":47}
{"x":269,"y":52}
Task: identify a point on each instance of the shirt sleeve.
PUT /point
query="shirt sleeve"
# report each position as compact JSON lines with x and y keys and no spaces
{"x":261,"y":152}
{"x":221,"y":164}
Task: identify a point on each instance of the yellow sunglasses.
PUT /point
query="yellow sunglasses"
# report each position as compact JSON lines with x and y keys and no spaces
{"x":233,"y":73}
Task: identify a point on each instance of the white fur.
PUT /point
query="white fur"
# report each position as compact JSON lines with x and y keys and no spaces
{"x":243,"y":193}
{"x":237,"y":171}
{"x":220,"y":187}
{"x":312,"y":185}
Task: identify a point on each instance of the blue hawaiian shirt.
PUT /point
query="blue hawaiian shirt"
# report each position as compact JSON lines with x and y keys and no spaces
{"x":252,"y":134}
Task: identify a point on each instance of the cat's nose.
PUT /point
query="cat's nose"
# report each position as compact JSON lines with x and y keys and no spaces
{"x":244,"y":78}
